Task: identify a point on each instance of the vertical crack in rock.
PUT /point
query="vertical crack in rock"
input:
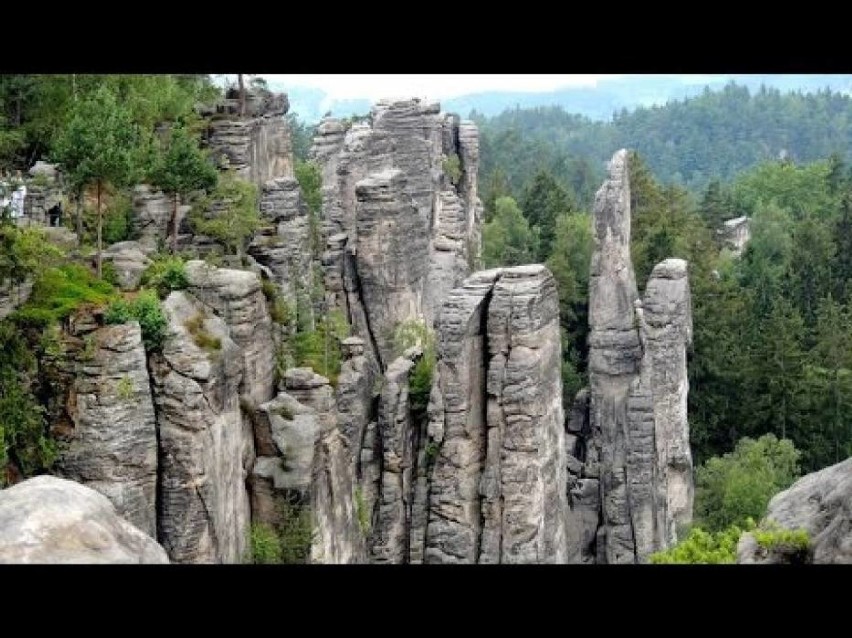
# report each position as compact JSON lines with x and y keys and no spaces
{"x":498,"y":486}
{"x":638,"y":436}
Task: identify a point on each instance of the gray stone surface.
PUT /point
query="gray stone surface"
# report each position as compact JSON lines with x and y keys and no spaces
{"x":429,"y":230}
{"x":819,"y":503}
{"x":49,"y":520}
{"x":236,"y":297}
{"x":637,"y":443}
{"x":130,"y":259}
{"x":258,"y":147}
{"x":112,"y":444}
{"x":498,"y":492}
{"x":152,"y":216}
{"x":735,"y":234}
{"x":206,"y":448}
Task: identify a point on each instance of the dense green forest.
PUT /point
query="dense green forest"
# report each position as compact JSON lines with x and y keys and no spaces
{"x":690,"y":142}
{"x":772,"y":352}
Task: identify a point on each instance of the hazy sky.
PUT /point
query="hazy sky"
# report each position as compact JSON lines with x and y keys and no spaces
{"x":435,"y":86}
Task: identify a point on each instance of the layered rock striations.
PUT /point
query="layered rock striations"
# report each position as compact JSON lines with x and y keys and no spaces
{"x":634,"y":449}
{"x":403,"y":181}
{"x":109,"y":441}
{"x":497,"y":493}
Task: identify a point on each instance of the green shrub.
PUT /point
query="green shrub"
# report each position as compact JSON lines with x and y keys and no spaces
{"x":60,"y":291}
{"x":320,"y":349}
{"x":117,"y":219}
{"x":361,"y":511}
{"x":452,"y":168}
{"x":700,"y":547}
{"x":265,"y":546}
{"x":737,"y":486}
{"x":295,"y":533}
{"x":279,"y":310}
{"x":110,"y":274}
{"x":417,"y":333}
{"x":165,"y":274}
{"x":771,"y":536}
{"x":125,"y":389}
{"x":145,"y":309}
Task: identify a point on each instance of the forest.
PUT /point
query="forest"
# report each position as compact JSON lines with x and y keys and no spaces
{"x":770,"y":369}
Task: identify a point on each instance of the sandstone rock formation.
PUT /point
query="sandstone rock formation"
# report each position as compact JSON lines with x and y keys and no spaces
{"x":51,"y":520}
{"x":736,"y":233}
{"x":819,"y":503}
{"x":401,"y":214}
{"x":634,"y":450}
{"x":304,"y":466}
{"x":496,"y":439}
{"x":44,"y":192}
{"x":152,"y":216}
{"x":130,"y":259}
{"x":111,"y":442}
{"x":206,"y":449}
{"x":257,"y":146}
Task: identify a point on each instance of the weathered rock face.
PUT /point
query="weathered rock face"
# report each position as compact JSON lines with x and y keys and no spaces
{"x":283,"y":246}
{"x":152,"y":216}
{"x":391,"y":257}
{"x":634,"y":450}
{"x":50,"y":520}
{"x":111,"y":445}
{"x":304,"y":463}
{"x":497,"y":483}
{"x":44,"y":192}
{"x":130,"y":259}
{"x":403,"y":182}
{"x":236,"y":297}
{"x":206,"y":448}
{"x":819,"y":503}
{"x":12,"y":297}
{"x":735,"y":234}
{"x":258,"y":146}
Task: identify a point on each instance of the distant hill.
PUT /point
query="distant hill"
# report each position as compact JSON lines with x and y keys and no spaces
{"x":712,"y":135}
{"x":598,"y":103}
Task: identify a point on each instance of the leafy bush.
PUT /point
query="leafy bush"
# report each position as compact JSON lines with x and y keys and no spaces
{"x":295,"y":533}
{"x":362,"y":511}
{"x":110,"y":274}
{"x":309,"y":176}
{"x":60,"y":291}
{"x":279,"y":310}
{"x":452,"y":167}
{"x":771,"y":536}
{"x":320,"y":349}
{"x":24,"y":439}
{"x":165,"y":274}
{"x":417,"y":333}
{"x":700,"y":547}
{"x":265,"y":546}
{"x":739,"y":485}
{"x":145,"y":309}
{"x":124,"y":389}
{"x":117,"y":219}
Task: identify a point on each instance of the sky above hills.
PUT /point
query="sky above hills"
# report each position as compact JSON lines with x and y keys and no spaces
{"x":596,"y":96}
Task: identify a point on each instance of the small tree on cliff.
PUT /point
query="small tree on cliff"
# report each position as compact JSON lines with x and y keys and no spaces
{"x":98,"y":146}
{"x":235,"y":217}
{"x":182,"y":168}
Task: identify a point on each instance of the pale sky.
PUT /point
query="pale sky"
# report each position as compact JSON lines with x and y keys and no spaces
{"x":434,"y":86}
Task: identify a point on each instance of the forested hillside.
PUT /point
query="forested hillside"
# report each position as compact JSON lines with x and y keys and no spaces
{"x":690,"y":142}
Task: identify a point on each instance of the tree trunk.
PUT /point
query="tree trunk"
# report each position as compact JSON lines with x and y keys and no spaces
{"x":100,"y":233}
{"x":174,"y":230}
{"x":242,"y":95}
{"x":80,"y":215}
{"x":74,"y":86}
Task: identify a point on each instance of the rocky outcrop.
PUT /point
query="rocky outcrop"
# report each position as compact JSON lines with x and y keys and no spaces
{"x":735,"y":234}
{"x":111,"y":442}
{"x":206,"y":449}
{"x":401,"y":214}
{"x":496,"y":438}
{"x":256,"y":146}
{"x":44,"y":194}
{"x":283,"y":245}
{"x":236,"y":297}
{"x":130,"y":259}
{"x":152,"y":216}
{"x":820,"y":504}
{"x":635,"y":445}
{"x":13,"y":297}
{"x":304,"y":467}
{"x":50,"y":520}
